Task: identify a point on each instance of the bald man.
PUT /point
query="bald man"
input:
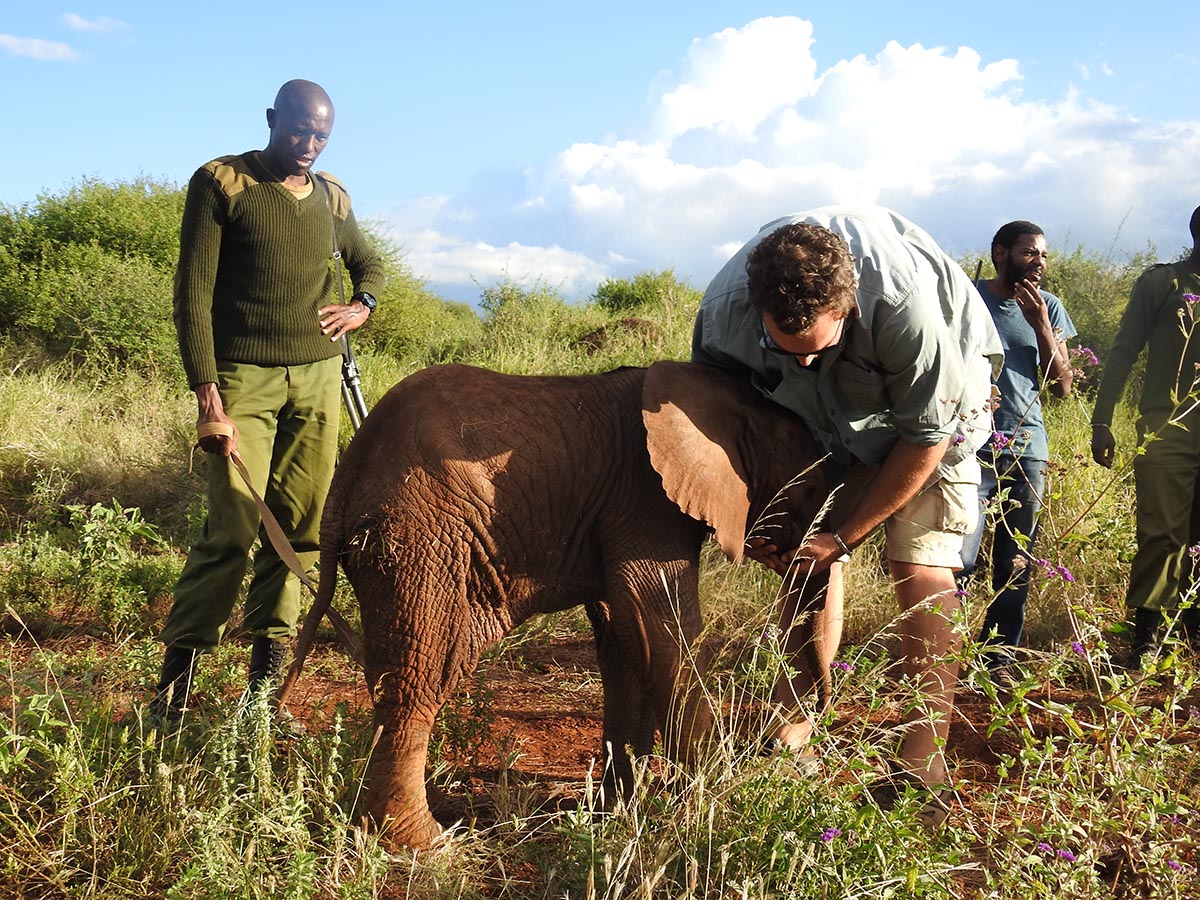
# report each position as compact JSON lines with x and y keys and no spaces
{"x":258,"y":317}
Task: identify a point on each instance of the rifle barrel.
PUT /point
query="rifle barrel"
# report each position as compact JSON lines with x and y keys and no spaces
{"x":352,"y":395}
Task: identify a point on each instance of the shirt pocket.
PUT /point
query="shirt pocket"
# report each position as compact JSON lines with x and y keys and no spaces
{"x":862,"y":389}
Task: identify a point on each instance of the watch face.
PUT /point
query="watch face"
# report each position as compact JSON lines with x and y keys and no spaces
{"x":366,"y":300}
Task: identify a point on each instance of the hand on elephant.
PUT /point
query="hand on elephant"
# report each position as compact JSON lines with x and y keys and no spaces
{"x":763,"y":551}
{"x":820,"y":551}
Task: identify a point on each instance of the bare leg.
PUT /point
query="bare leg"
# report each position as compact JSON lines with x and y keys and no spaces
{"x":824,"y":629}
{"x":930,"y":644}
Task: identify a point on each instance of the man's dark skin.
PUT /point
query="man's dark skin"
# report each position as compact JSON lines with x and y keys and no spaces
{"x":1104,"y":445}
{"x":300,"y":124}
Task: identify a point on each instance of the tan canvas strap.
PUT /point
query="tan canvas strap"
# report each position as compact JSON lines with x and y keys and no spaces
{"x":280,"y":542}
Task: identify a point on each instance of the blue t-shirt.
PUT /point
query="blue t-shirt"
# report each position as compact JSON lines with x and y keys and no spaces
{"x":1019,"y":416}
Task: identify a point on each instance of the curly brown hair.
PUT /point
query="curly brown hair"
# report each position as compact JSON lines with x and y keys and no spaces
{"x":798,"y":272}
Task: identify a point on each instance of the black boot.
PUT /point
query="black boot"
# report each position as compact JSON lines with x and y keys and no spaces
{"x":174,"y":687}
{"x":1147,"y":636}
{"x":266,"y":663}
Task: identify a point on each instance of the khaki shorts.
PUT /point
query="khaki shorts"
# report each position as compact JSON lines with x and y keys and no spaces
{"x":929,"y":531}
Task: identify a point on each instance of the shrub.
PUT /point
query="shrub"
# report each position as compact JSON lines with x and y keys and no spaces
{"x":135,"y":219}
{"x":1095,"y":290}
{"x":645,"y":293}
{"x":94,"y":307}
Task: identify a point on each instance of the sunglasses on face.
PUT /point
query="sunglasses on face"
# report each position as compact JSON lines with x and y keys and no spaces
{"x":768,"y":343}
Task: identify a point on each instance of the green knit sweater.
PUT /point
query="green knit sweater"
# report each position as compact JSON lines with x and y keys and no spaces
{"x":255,"y":265}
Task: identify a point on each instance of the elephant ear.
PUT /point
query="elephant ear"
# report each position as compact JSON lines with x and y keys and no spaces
{"x":694,"y":416}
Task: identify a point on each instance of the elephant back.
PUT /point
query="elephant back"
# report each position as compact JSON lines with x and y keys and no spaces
{"x":504,"y":455}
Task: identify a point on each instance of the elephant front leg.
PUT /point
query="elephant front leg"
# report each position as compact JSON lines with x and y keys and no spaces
{"x":396,"y":802}
{"x":812,"y":633}
{"x":623,"y":654}
{"x":652,"y":681}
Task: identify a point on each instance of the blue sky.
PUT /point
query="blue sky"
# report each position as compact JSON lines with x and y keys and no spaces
{"x":573,"y":142}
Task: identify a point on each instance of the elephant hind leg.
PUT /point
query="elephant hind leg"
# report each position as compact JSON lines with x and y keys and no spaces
{"x":397,"y":805}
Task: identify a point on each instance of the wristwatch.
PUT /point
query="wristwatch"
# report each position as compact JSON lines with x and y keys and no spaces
{"x":366,"y":300}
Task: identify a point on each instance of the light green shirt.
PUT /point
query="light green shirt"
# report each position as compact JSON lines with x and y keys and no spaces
{"x":916,"y":363}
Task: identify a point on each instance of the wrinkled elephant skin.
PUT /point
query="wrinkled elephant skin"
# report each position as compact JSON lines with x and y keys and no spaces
{"x":471,"y":500}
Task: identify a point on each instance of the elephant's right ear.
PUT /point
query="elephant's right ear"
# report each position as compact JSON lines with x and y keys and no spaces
{"x":693,"y":417}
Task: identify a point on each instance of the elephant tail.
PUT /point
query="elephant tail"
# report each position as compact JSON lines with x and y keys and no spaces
{"x":331,"y":546}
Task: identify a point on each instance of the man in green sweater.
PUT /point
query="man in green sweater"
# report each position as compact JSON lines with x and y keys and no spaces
{"x":1163,"y":317}
{"x":259,"y":324}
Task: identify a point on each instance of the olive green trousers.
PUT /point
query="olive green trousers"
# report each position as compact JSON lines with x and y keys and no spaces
{"x":287,"y":422}
{"x":1167,"y":478}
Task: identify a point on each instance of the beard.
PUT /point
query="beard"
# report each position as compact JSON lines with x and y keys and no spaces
{"x":1015,"y":273}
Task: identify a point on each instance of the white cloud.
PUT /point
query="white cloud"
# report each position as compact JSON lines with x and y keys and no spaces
{"x":749,"y":129}
{"x":37,"y":48}
{"x":458,"y":265}
{"x":737,"y":77}
{"x":102,"y":25}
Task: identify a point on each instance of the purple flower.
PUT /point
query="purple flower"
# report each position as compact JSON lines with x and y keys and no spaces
{"x":999,"y":440}
{"x":830,"y":833}
{"x":961,"y":593}
{"x":1049,"y":570}
{"x":1061,"y":854}
{"x":1086,"y":356}
{"x":1194,"y":550}
{"x":842,"y":666}
{"x":1078,"y":648}
{"x":1176,"y":866}
{"x":958,"y":439}
{"x":1191,"y":298}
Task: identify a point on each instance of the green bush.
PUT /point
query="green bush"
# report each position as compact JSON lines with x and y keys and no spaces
{"x":413,"y":324}
{"x":134,"y":219}
{"x":94,"y":307}
{"x":645,"y":293}
{"x":1095,"y":290}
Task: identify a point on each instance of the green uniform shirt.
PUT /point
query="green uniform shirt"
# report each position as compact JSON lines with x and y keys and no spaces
{"x":1156,"y":318}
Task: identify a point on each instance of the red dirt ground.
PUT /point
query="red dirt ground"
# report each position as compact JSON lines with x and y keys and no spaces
{"x":546,"y":712}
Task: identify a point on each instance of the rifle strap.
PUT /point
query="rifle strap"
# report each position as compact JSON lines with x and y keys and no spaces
{"x":337,"y":254}
{"x":280,"y":542}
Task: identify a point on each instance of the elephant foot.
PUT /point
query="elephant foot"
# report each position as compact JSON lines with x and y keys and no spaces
{"x":617,"y":783}
{"x":417,"y":832}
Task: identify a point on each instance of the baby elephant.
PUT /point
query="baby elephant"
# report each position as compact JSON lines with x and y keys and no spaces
{"x":471,"y":500}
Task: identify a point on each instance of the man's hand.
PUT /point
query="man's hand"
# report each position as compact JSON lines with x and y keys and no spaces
{"x":1104,"y":445}
{"x":212,"y":410}
{"x":338,"y":320}
{"x":1033,"y":306}
{"x":763,"y":551}
{"x":814,"y":556}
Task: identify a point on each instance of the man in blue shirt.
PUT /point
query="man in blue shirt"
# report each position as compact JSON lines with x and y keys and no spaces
{"x":1033,"y":326}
